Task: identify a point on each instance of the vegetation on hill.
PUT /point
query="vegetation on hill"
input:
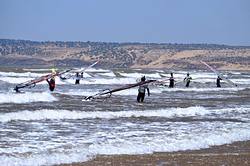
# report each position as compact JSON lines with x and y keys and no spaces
{"x":139,"y":55}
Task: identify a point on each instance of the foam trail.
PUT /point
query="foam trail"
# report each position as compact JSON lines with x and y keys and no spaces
{"x":66,"y":114}
{"x":26,"y":97}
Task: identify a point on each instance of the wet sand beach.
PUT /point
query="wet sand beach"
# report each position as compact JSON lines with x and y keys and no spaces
{"x":237,"y":154}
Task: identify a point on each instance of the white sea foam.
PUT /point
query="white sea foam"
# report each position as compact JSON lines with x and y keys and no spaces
{"x":241,"y":81}
{"x":109,"y":74}
{"x":145,"y":138}
{"x":25,"y":74}
{"x":49,"y":70}
{"x":46,"y":159}
{"x":18,"y":80}
{"x":86,"y":75}
{"x":201,"y":89}
{"x":138,"y":144}
{"x":66,"y":114}
{"x":15,"y":80}
{"x":97,"y":70}
{"x":162,"y":143}
{"x":103,"y":81}
{"x":79,"y":92}
{"x":26,"y":97}
{"x":139,"y":75}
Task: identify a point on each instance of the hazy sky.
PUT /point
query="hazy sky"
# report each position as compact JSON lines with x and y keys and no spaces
{"x":162,"y":21}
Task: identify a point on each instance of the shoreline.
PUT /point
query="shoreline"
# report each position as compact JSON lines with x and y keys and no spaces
{"x":237,"y":153}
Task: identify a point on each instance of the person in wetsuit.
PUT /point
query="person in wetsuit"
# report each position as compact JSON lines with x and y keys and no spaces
{"x":52,"y":84}
{"x":218,"y":81}
{"x":187,"y":79}
{"x":77,"y":78}
{"x":142,"y":91}
{"x":171,"y":81}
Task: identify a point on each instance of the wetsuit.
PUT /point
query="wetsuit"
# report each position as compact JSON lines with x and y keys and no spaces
{"x":52,"y":84}
{"x":77,"y":79}
{"x":218,"y":82}
{"x":141,"y":92}
{"x":187,"y":80}
{"x":171,"y":82}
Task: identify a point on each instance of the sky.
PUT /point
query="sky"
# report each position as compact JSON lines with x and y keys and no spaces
{"x":154,"y":21}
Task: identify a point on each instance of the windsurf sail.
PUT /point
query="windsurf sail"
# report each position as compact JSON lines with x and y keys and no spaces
{"x":32,"y":83}
{"x":110,"y":92}
{"x":220,"y":75}
{"x":76,"y":70}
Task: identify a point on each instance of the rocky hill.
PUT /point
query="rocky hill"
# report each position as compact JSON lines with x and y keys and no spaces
{"x":26,"y":53}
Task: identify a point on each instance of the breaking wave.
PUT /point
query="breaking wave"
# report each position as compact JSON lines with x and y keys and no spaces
{"x":46,"y":114}
{"x":26,"y":97}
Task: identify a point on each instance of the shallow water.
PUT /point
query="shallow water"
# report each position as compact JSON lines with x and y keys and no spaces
{"x":43,"y":128}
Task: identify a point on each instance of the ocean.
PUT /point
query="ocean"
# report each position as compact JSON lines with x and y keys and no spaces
{"x":39,"y":127}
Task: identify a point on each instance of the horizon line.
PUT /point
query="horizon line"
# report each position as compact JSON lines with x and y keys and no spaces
{"x":130,"y":42}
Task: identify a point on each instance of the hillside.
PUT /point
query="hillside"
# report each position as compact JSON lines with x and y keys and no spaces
{"x":123,"y":55}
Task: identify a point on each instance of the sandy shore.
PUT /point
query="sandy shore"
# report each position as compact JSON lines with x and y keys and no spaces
{"x":237,"y":154}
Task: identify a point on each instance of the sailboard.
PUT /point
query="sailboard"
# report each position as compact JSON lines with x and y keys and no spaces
{"x":110,"y":92}
{"x":220,"y":75}
{"x":32,"y":83}
{"x":76,"y":70}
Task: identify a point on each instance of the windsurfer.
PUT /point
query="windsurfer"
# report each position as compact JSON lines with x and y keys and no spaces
{"x":78,"y":77}
{"x":187,"y":79}
{"x":171,"y":81}
{"x":142,"y":90}
{"x":52,"y":84}
{"x":218,"y":81}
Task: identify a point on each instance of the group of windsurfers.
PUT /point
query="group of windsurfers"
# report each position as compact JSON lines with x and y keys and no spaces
{"x":143,"y":84}
{"x":188,"y":79}
{"x":142,"y":88}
